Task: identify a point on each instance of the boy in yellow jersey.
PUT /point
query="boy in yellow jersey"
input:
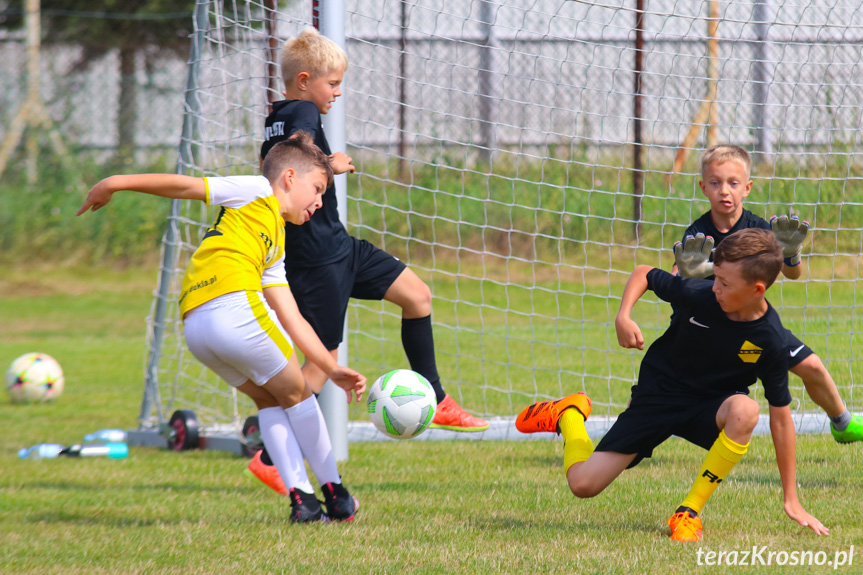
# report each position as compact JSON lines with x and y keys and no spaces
{"x":693,"y":382}
{"x":236,"y":308}
{"x":725,"y":171}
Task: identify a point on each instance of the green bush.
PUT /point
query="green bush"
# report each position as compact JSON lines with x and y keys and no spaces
{"x":37,"y":221}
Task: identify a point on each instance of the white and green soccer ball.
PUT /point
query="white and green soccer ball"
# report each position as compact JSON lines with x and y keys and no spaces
{"x":34,"y":378}
{"x":401,"y":404}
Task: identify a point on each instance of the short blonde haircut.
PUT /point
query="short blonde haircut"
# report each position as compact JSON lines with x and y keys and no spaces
{"x":311,"y":53}
{"x":726,"y":153}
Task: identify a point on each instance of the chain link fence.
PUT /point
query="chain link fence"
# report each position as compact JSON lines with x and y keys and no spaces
{"x":499,"y":75}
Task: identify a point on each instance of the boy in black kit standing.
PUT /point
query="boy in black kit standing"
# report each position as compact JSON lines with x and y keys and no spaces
{"x":325,"y":265}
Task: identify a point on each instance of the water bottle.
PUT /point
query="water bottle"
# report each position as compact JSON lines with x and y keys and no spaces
{"x":114,"y":450}
{"x":107,"y":435}
{"x":40,"y":451}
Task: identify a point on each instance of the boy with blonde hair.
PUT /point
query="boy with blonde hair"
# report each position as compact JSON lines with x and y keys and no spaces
{"x":725,"y":182}
{"x":236,"y":306}
{"x":325,"y":265}
{"x":693,"y":383}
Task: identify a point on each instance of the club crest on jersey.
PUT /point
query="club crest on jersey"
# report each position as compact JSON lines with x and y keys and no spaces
{"x":273,"y":249}
{"x":267,"y":241}
{"x":749,"y":352}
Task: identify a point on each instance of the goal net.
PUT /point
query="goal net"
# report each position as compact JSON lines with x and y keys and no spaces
{"x":523,"y":156}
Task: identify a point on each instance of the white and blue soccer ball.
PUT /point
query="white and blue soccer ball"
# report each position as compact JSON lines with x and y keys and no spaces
{"x":401,"y":404}
{"x":34,"y":378}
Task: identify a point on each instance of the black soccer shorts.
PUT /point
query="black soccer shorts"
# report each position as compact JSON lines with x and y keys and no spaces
{"x":652,"y":418}
{"x":322,"y":292}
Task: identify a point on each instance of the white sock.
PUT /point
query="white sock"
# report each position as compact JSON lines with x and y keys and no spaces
{"x":281,"y":444}
{"x":308,"y":422}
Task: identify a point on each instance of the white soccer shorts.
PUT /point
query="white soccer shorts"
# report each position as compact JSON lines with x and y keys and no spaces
{"x":239,"y":337}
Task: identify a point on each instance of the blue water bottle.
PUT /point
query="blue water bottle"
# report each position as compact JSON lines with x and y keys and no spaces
{"x":40,"y":451}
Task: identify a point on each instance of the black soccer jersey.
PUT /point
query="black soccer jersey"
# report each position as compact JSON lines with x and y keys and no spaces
{"x":323,"y":239}
{"x":703,"y":353}
{"x":704,"y":225}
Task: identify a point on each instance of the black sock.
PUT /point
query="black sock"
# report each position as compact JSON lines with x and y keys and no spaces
{"x":265,"y":457}
{"x":418,"y":341}
{"x":692,"y":512}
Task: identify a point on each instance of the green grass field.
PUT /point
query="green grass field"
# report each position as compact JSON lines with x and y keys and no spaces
{"x":427,"y":507}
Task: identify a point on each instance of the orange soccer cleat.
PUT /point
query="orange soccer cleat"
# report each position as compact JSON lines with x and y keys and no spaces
{"x":544,"y":415}
{"x":267,"y":474}
{"x":685,"y":527}
{"x":450,"y":415}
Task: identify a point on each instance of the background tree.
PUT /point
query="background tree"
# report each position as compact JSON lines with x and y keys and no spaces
{"x":154,"y":28}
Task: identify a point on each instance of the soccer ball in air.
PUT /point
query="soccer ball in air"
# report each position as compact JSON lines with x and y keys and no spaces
{"x":34,"y":378}
{"x":401,"y":404}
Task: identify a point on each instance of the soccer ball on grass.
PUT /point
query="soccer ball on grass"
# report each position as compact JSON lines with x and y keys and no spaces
{"x":401,"y":404}
{"x":34,"y":378}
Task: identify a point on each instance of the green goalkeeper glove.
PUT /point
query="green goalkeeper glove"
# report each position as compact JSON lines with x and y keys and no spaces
{"x":790,"y":232}
{"x":692,"y":256}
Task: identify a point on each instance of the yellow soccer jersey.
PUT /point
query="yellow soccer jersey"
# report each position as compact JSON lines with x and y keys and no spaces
{"x":244,"y":249}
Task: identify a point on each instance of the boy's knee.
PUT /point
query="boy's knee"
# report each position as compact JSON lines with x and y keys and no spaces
{"x":265,"y":402}
{"x":417,"y":299}
{"x":315,"y":377}
{"x":582,"y":486}
{"x":422,"y":295}
{"x":288,"y":397}
{"x":743,"y":413}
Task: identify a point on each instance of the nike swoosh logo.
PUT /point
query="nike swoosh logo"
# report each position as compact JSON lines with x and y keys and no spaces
{"x":693,"y":322}
{"x":796,"y":351}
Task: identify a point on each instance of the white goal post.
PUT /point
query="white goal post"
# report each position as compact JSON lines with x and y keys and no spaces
{"x":522,"y":157}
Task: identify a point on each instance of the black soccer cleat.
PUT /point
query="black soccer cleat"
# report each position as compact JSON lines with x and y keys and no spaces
{"x":305,"y":507}
{"x":341,"y":505}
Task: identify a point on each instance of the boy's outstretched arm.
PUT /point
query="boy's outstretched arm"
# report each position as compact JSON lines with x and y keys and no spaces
{"x":165,"y":185}
{"x":628,"y":332}
{"x":785,"y":443}
{"x":283,"y":303}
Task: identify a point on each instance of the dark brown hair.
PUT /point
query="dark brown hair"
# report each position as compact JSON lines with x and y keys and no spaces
{"x":757,"y":252}
{"x":298,"y":152}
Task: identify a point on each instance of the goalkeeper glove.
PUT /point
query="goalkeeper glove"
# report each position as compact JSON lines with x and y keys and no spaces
{"x":790,"y":232}
{"x":692,"y":256}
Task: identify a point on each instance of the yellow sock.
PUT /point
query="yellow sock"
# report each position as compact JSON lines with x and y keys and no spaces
{"x":720,"y":460}
{"x":576,"y":443}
